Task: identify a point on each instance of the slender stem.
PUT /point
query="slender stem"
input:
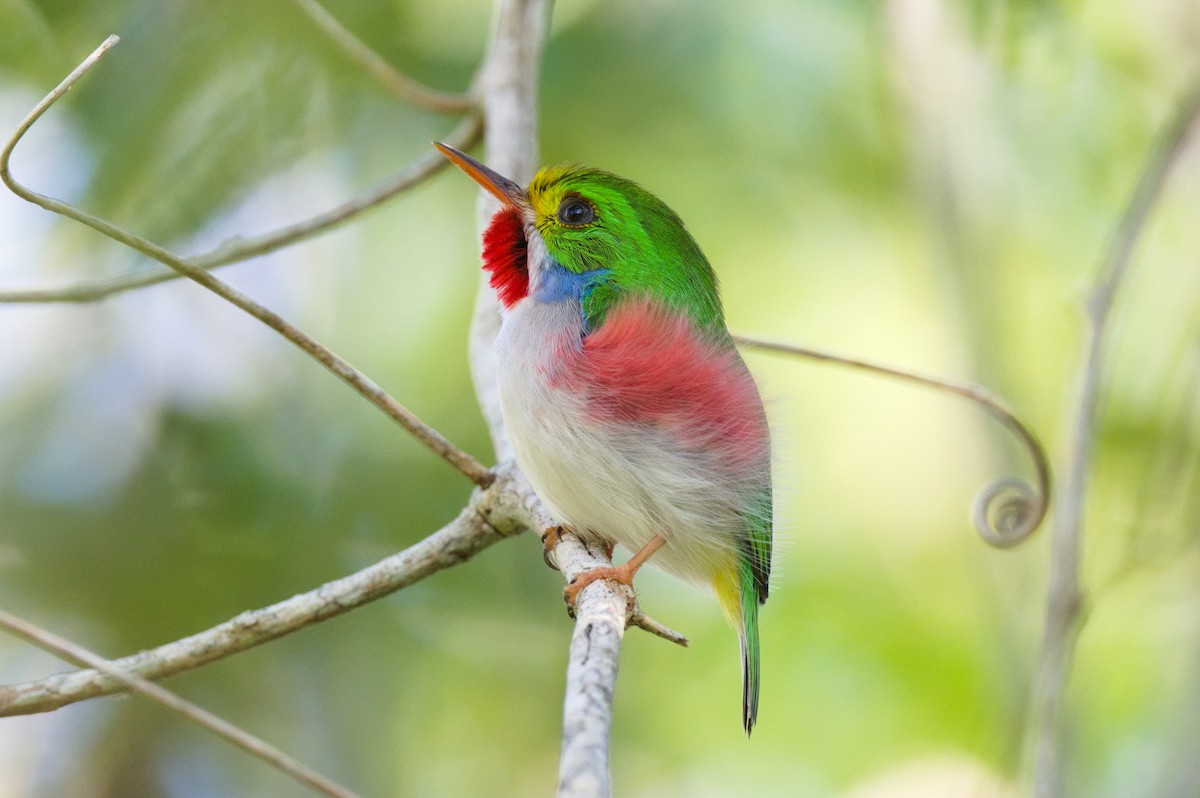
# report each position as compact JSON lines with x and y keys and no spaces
{"x":1007,"y":510}
{"x":247,"y":247}
{"x":1064,"y":600}
{"x":392,"y":79}
{"x":424,"y":433}
{"x":255,"y":746}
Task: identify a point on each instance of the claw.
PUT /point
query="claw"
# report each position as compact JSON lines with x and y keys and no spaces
{"x":550,"y":539}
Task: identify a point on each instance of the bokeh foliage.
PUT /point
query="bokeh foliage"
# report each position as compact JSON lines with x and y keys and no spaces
{"x":927,"y":182}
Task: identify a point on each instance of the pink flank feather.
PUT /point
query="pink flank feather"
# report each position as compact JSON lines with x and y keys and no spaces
{"x":647,"y":364}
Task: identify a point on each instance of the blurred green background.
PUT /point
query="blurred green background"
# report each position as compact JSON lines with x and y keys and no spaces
{"x":930,"y":183}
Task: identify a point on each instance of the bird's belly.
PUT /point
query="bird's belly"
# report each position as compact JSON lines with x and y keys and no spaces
{"x":620,"y":483}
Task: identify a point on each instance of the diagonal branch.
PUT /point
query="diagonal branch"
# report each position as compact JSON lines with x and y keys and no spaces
{"x":1064,"y":600}
{"x":427,"y":435}
{"x":222,"y":728}
{"x":395,"y":81}
{"x":1007,"y":510}
{"x":244,"y":248}
{"x":502,"y":510}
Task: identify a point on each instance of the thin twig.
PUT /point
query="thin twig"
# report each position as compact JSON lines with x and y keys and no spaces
{"x":492,"y":515}
{"x":1007,"y":510}
{"x":246,"y":247}
{"x":395,"y":81}
{"x":432,"y":439}
{"x":1064,"y":600}
{"x":255,"y":746}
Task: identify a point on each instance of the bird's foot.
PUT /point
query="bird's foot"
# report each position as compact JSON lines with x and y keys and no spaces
{"x":617,"y":573}
{"x":551,"y":538}
{"x":624,"y":575}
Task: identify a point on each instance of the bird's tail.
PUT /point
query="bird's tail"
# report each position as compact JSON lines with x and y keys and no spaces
{"x":738,"y":594}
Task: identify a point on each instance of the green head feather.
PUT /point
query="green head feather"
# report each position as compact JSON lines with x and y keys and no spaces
{"x":625,"y":230}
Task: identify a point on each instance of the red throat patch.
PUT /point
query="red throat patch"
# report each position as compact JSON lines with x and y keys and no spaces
{"x":506,"y":255}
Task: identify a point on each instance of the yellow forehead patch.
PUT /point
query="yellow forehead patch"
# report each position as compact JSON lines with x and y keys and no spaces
{"x":546,"y":190}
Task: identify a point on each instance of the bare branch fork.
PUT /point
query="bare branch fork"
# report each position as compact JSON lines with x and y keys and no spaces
{"x":1064,"y":599}
{"x":455,"y":543}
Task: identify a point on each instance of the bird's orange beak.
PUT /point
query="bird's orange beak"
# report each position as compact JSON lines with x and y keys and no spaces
{"x":492,"y":181}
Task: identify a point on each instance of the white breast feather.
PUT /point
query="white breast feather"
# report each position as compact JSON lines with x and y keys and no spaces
{"x":621,"y":485}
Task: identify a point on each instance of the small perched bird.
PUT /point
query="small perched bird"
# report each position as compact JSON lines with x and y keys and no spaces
{"x":628,"y":406}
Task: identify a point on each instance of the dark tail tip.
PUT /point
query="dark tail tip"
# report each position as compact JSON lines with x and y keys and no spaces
{"x":749,"y":691}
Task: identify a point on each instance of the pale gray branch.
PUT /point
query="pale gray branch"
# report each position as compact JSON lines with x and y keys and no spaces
{"x":255,"y":746}
{"x":1064,"y":600}
{"x":491,"y":515}
{"x":602,"y":612}
{"x":501,"y":506}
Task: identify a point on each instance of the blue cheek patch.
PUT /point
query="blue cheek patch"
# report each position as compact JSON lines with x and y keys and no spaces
{"x":558,"y":284}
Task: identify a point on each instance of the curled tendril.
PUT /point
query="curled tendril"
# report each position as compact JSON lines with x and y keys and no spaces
{"x":1008,"y":510}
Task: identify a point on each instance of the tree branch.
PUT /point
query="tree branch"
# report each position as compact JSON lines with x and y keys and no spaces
{"x":1064,"y":599}
{"x":239,"y":249}
{"x":602,"y":611}
{"x":502,"y":510}
{"x":400,"y":85}
{"x":427,"y":435}
{"x":1007,"y":510}
{"x":222,"y":728}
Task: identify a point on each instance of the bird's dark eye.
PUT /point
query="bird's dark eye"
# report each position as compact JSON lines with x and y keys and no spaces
{"x":576,"y":212}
